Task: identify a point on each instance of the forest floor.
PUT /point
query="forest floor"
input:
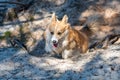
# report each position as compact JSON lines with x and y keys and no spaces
{"x":17,"y":64}
{"x":97,"y":65}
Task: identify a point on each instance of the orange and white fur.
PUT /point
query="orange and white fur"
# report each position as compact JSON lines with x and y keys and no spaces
{"x":62,"y":39}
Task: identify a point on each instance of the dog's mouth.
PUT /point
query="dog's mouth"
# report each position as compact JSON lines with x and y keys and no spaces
{"x":55,"y":44}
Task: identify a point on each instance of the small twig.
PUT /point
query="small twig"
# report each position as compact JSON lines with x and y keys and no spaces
{"x":16,"y":42}
{"x":110,"y":39}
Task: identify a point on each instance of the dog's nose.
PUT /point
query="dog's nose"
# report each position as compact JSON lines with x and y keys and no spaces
{"x":54,"y":41}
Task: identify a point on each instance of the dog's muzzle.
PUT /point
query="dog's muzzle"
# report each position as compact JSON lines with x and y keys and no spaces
{"x":55,"y":43}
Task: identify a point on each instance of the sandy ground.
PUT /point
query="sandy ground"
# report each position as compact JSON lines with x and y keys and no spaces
{"x":98,"y":65}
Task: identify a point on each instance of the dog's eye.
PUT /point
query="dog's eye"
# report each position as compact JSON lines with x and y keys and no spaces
{"x":59,"y":33}
{"x":52,"y":33}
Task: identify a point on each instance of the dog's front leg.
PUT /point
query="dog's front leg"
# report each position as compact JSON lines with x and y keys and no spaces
{"x":47,"y":36}
{"x":48,"y":47}
{"x":66,"y":53}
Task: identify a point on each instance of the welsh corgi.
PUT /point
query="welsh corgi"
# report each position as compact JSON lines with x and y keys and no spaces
{"x":64,"y":40}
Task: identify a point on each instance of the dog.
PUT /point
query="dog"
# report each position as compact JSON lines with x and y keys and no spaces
{"x":62,"y":39}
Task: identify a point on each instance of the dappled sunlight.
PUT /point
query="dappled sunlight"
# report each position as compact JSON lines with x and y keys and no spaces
{"x":34,"y":63}
{"x":6,"y":66}
{"x":92,"y":65}
{"x":61,"y":64}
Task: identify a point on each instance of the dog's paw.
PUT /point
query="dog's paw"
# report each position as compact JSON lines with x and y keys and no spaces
{"x":66,"y":54}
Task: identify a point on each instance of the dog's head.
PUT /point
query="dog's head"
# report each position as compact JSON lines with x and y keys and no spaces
{"x":58,"y":29}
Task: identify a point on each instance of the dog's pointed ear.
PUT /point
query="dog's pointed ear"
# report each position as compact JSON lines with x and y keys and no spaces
{"x":54,"y":18}
{"x":65,"y":19}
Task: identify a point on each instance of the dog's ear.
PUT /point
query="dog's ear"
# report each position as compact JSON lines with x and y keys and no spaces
{"x":65,"y":19}
{"x":54,"y":18}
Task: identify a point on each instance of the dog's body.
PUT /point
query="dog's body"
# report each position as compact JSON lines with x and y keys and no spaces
{"x":63,"y":39}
